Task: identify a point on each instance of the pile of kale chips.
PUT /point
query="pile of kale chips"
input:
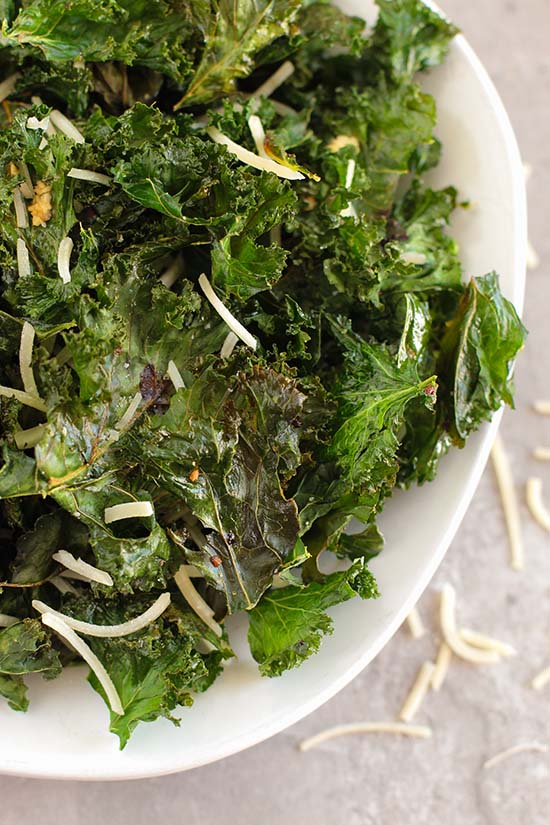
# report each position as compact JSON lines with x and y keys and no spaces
{"x":373,"y":356}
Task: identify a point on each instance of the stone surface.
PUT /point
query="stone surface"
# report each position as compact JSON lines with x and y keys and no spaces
{"x":480,"y":711}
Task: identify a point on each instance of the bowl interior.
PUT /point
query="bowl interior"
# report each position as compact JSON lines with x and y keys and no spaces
{"x":64,"y":734}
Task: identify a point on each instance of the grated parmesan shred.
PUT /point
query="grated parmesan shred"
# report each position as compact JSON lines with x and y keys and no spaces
{"x":277,"y":79}
{"x":195,"y":600}
{"x":78,"y":566}
{"x":535,"y":503}
{"x":349,"y":211}
{"x":7,"y":86}
{"x":541,"y":679}
{"x":132,"y":409}
{"x":63,"y":586}
{"x":87,"y":174}
{"x":419,"y":731}
{"x":523,"y":747}
{"x":510,"y":504}
{"x":472,"y":637}
{"x":61,"y":122}
{"x":258,"y":135}
{"x":542,"y":407}
{"x":24,"y":398}
{"x":417,"y":692}
{"x":21,"y":215}
{"x":452,"y":636}
{"x":128,"y":509}
{"x":6,"y":620}
{"x":234,"y":325}
{"x":27,"y":189}
{"x":245,"y":156}
{"x":541,"y":453}
{"x":442,"y":662}
{"x":64,"y":259}
{"x":228,"y":345}
{"x":414,"y":622}
{"x":68,"y":635}
{"x":25,"y":359}
{"x":25,"y":439}
{"x":23,"y":259}
{"x":416,"y":258}
{"x":175,"y":376}
{"x":172,"y":272}
{"x":114,"y":630}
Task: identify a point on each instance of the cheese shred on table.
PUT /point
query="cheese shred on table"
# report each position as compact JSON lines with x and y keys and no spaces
{"x":417,"y":692}
{"x":510,"y":504}
{"x":399,"y":728}
{"x":452,"y":636}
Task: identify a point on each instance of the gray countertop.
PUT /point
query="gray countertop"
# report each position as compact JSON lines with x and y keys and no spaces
{"x":480,"y":711}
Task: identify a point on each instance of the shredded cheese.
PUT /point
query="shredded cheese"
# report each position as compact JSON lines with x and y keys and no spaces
{"x":7,"y":621}
{"x":173,"y":272}
{"x":472,"y":637}
{"x":128,"y":509}
{"x":414,"y":622}
{"x":282,"y":109}
{"x":442,"y":662}
{"x":192,"y":571}
{"x":451,"y":635}
{"x":66,"y":126}
{"x":273,"y":82}
{"x":64,"y":259}
{"x":175,"y":376}
{"x":541,"y":453}
{"x":542,"y":407}
{"x":7,"y":86}
{"x":107,"y":631}
{"x":510,"y":504}
{"x":533,"y":492}
{"x":87,"y":174}
{"x":532,"y":259}
{"x":417,"y":258}
{"x":234,"y":325}
{"x":27,"y":189}
{"x":23,"y":259}
{"x":25,"y":359}
{"x":541,"y":679}
{"x":521,"y":748}
{"x":25,"y":439}
{"x":63,"y":586}
{"x":340,"y":141}
{"x":24,"y":398}
{"x":419,"y":731}
{"x":195,"y":600}
{"x":418,"y":692}
{"x":21,"y":217}
{"x":78,"y":566}
{"x":34,"y":123}
{"x":228,"y":345}
{"x":245,"y":156}
{"x":130,"y":412}
{"x":350,"y":210}
{"x":72,"y":574}
{"x":68,"y":635}
{"x":258,"y":134}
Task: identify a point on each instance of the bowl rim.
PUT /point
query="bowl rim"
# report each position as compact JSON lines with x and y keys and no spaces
{"x":289,"y":716}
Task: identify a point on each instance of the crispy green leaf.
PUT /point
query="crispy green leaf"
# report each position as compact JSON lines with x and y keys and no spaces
{"x":288,"y":624}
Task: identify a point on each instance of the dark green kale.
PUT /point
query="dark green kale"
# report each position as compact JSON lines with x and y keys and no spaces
{"x":364,"y":357}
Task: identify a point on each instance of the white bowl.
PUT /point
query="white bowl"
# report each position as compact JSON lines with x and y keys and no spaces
{"x":64,"y":734}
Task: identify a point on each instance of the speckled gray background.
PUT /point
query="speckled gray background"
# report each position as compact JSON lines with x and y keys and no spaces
{"x":385,"y":780}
